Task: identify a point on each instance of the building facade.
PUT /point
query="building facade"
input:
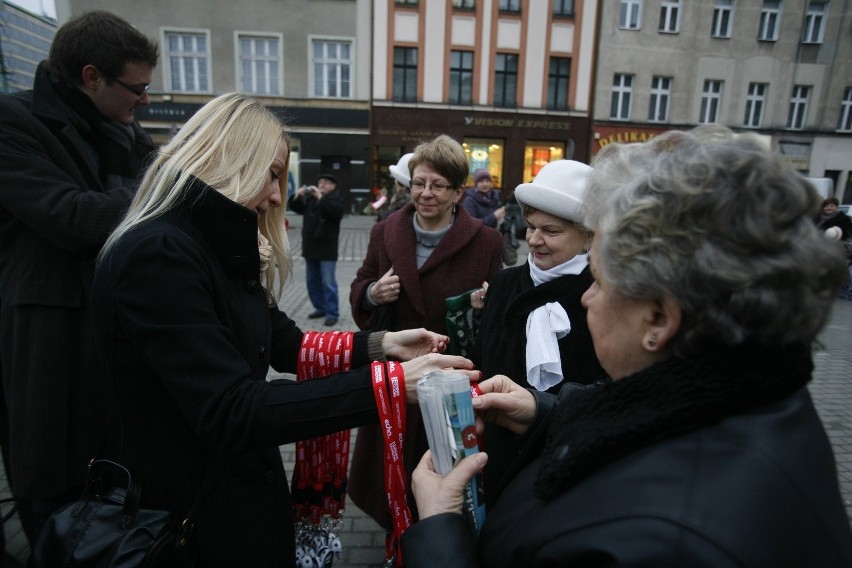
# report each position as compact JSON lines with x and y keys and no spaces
{"x":25,"y":40}
{"x":779,"y":68}
{"x":509,"y":79}
{"x":306,"y":60}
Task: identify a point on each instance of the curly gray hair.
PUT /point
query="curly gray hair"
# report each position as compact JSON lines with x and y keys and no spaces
{"x":716,"y":221}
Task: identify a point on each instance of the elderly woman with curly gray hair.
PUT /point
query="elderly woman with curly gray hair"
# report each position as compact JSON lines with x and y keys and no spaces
{"x":704,"y":448}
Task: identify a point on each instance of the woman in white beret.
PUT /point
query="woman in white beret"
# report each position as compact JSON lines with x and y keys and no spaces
{"x":533,"y":327}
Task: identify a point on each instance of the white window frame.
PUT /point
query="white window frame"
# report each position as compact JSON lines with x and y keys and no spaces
{"x":798,"y":114}
{"x":755,"y":104}
{"x":312,"y":62}
{"x":275,"y":60}
{"x":630,"y":15}
{"x":669,"y":17}
{"x":844,"y":122}
{"x":711,"y":101}
{"x":770,"y":20}
{"x":723,"y":19}
{"x":621,"y":93}
{"x":660,"y":100}
{"x":168,"y":55}
{"x":815,"y":19}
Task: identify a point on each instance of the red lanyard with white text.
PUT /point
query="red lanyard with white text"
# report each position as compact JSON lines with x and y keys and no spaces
{"x":389,"y":390}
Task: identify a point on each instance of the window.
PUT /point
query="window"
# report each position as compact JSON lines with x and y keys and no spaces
{"x":670,"y":16}
{"x":461,"y":77}
{"x":510,"y":5}
{"x":844,"y":123}
{"x":557,"y":83}
{"x":630,"y":14}
{"x":798,"y":107}
{"x":814,"y":23}
{"x":260,"y":64}
{"x":722,"y":15}
{"x":658,"y":107}
{"x":505,"y":80}
{"x":406,"y":2}
{"x":486,"y":153}
{"x":470,"y":4}
{"x":332,"y":66}
{"x":188,"y":62}
{"x":755,"y":100}
{"x":622,"y":88}
{"x":770,"y":15}
{"x":539,"y":153}
{"x":711,"y":99}
{"x":563,"y":8}
{"x":405,"y":74}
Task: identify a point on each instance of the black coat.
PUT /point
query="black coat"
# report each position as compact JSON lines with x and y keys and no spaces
{"x":320,"y":225}
{"x":185,"y":330}
{"x":501,"y":348}
{"x":56,"y":210}
{"x":502,"y":339}
{"x":666,"y":469}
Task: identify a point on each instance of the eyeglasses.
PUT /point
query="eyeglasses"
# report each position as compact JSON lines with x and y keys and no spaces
{"x":138,"y":90}
{"x":437,"y":188}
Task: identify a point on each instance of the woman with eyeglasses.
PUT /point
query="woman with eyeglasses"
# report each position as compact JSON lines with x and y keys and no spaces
{"x":425,"y":252}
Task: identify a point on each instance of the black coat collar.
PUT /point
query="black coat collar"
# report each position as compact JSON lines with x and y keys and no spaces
{"x":596,"y":425}
{"x":228,"y":228}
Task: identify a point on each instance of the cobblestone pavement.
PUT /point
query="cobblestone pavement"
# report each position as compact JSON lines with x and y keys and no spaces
{"x":363,"y":539}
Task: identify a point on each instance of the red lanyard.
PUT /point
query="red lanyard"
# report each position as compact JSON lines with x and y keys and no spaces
{"x":389,"y":390}
{"x":319,"y":476}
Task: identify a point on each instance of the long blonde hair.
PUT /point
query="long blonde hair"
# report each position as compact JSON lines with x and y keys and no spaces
{"x":228,"y":144}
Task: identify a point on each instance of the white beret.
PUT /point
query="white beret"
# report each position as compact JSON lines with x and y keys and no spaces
{"x":558,"y":189}
{"x":400,"y":172}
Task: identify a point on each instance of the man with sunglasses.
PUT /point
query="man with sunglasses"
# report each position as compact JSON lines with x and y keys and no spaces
{"x":70,"y":154}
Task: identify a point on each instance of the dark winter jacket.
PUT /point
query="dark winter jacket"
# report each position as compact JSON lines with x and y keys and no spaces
{"x":501,"y":347}
{"x":715,"y":462}
{"x":321,"y":224}
{"x":184,"y":327}
{"x":60,"y":196}
{"x":482,"y":206}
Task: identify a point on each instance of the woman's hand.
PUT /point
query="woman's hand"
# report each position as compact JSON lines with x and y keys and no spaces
{"x":415,"y":369}
{"x":410,"y":343}
{"x":477,"y":297}
{"x":505,"y":403}
{"x":436,"y":494}
{"x":386,"y":289}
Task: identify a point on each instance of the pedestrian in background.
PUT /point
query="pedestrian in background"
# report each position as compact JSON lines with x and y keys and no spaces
{"x":401,"y":187}
{"x":427,"y":251}
{"x":711,"y":286}
{"x":186,"y":320}
{"x":482,"y":201}
{"x":322,"y":208}
{"x":70,"y":154}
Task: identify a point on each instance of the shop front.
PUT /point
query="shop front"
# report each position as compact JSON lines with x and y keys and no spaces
{"x":512,"y":146}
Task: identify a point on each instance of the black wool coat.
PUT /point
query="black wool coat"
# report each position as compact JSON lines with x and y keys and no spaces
{"x":186,"y":333}
{"x":501,"y":348}
{"x":715,"y":463}
{"x":320,"y":224}
{"x":56,"y":210}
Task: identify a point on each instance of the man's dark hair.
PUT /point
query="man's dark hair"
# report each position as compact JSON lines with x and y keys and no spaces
{"x":101,"y":39}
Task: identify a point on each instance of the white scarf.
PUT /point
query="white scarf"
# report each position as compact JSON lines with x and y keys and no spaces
{"x":264,"y":249}
{"x":546,"y":325}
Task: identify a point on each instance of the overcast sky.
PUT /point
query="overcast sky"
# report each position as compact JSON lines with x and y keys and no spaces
{"x":40,"y":7}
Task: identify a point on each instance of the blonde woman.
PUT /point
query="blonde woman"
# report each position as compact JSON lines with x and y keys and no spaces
{"x":187,"y":326}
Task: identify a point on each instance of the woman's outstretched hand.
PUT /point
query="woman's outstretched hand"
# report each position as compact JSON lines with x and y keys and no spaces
{"x":416,"y":368}
{"x":506,"y":403}
{"x":436,"y":494}
{"x":410,"y":343}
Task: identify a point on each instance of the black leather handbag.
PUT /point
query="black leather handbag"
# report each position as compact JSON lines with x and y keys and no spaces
{"x":106,"y":527}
